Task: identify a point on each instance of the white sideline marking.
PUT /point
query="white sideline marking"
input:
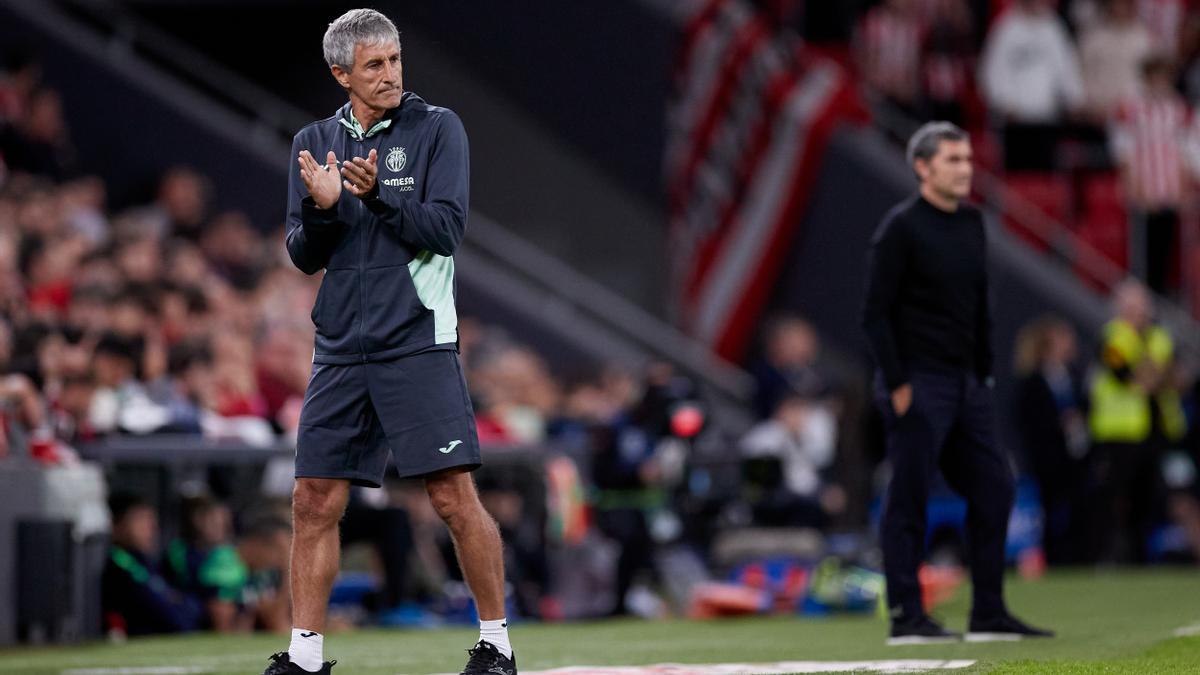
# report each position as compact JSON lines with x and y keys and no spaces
{"x":891,"y":666}
{"x":145,"y":670}
{"x":1188,"y":631}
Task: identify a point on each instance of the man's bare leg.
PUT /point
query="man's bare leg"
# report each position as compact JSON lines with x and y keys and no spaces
{"x":476,"y":538}
{"x":481,"y":558}
{"x":317,"y":506}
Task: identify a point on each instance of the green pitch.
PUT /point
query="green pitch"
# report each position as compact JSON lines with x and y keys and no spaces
{"x":1110,"y":622}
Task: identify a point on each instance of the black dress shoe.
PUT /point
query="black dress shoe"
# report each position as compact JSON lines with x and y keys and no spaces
{"x":920,"y":630}
{"x":1003,"y":628}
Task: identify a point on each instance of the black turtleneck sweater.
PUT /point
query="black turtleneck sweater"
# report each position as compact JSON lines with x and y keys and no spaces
{"x":927,"y":302}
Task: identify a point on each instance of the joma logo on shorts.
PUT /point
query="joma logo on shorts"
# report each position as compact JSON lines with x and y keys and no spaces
{"x":446,"y":450}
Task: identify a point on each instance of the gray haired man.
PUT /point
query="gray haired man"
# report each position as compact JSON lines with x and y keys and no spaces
{"x":927,"y":320}
{"x":382,"y":214}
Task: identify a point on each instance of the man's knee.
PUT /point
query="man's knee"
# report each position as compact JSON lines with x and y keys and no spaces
{"x":319,"y":502}
{"x":452,"y":497}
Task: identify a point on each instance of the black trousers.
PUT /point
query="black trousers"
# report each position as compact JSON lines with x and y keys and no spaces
{"x":1158,"y":234}
{"x":1128,"y":498}
{"x":951,"y":426}
{"x":629,"y":529}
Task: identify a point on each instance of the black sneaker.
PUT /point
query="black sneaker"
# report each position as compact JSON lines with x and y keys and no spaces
{"x":487,"y":660}
{"x":281,"y":664}
{"x":1003,"y":628}
{"x":920,"y":630}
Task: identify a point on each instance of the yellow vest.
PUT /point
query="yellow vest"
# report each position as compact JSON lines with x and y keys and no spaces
{"x":1120,"y":411}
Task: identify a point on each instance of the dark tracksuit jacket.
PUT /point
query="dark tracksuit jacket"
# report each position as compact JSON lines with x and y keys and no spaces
{"x":389,"y":282}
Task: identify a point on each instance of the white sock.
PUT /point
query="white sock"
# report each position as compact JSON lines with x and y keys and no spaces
{"x":306,"y":649}
{"x":496,"y":634}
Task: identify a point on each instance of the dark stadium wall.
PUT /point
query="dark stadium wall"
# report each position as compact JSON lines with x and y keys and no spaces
{"x":596,"y":74}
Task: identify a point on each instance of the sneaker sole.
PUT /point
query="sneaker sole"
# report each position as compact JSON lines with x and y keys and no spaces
{"x":994,"y":637}
{"x":920,"y":640}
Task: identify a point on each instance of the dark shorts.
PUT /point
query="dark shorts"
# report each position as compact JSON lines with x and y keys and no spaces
{"x":415,"y":409}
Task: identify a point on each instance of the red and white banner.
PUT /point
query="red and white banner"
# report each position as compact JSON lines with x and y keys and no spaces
{"x":748,"y":126}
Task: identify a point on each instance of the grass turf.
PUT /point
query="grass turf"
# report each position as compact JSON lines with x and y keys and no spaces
{"x":1108,"y":622}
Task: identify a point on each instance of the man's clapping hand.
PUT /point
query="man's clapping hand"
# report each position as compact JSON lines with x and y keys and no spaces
{"x":323,"y":182}
{"x":360,"y":174}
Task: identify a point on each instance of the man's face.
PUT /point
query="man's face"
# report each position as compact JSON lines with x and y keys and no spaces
{"x":376,"y":78}
{"x":949,"y":171}
{"x":138,"y":530}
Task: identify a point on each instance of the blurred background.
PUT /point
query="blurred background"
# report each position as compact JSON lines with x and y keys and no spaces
{"x":659,"y":295}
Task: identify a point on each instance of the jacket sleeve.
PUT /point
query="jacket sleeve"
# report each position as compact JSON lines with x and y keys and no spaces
{"x":886,"y":263}
{"x":438,"y":222}
{"x":312,"y":233}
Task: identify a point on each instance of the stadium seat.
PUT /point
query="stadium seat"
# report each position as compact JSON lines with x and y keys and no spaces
{"x":1104,"y":221}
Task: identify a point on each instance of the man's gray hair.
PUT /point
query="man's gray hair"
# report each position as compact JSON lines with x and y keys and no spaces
{"x":924,"y":144}
{"x":358,"y":26}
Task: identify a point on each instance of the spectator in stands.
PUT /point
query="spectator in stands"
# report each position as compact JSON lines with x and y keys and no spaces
{"x":20,"y":75}
{"x":1134,"y":412}
{"x":236,"y":386}
{"x":282,"y":370}
{"x":1111,"y":54}
{"x":82,"y":206}
{"x":136,"y":600}
{"x":785,"y":459}
{"x":20,"y":406}
{"x":1153,"y":143}
{"x":949,"y":58}
{"x":121,"y":401}
{"x":1172,"y":23}
{"x":264,"y":546}
{"x":139,"y":258}
{"x":204,"y":564}
{"x":632,"y":472}
{"x":181,"y":207}
{"x":516,"y":393}
{"x":789,"y":364}
{"x":39,"y":142}
{"x":188,"y":391}
{"x":69,"y":409}
{"x":48,"y":264}
{"x":1050,"y":413}
{"x":888,"y":50}
{"x":233,"y":249}
{"x":1031,"y":81}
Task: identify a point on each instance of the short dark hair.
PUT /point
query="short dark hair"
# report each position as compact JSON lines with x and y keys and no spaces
{"x":115,"y":344}
{"x":925,"y":142}
{"x":121,"y":503}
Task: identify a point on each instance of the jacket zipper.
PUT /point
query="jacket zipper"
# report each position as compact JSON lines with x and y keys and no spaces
{"x":362,"y":269}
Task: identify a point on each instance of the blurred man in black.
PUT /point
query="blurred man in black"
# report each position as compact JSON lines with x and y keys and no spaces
{"x":926,"y":316}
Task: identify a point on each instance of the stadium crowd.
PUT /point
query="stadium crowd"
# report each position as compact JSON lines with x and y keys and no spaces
{"x":169,"y":317}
